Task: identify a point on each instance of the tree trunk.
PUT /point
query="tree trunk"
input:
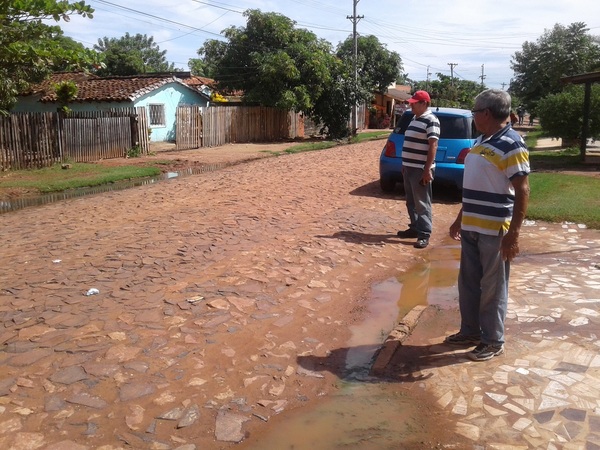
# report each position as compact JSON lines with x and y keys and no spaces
{"x":570,"y":142}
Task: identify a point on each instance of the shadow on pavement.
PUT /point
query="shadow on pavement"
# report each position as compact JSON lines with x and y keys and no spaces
{"x":366,"y":238}
{"x":441,"y":193}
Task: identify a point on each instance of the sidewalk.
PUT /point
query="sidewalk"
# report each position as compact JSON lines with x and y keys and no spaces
{"x":544,"y":392}
{"x":592,"y":150}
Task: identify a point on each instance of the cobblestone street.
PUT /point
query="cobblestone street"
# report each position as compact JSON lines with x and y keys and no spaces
{"x":211,"y":287}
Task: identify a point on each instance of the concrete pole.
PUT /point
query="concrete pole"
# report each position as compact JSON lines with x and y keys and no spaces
{"x":354,"y":18}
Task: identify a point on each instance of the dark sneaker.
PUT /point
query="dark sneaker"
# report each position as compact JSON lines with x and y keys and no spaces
{"x":410,"y":233}
{"x":421,"y":243}
{"x":461,"y":339}
{"x":483,"y":352}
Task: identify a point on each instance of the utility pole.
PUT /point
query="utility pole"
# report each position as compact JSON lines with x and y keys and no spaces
{"x":503,"y":84}
{"x":482,"y":76}
{"x":428,"y":74}
{"x":452,"y":73}
{"x":354,"y":18}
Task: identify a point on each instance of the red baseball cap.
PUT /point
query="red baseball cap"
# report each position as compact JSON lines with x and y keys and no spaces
{"x":420,"y":96}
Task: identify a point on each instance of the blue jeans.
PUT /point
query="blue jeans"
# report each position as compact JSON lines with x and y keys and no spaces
{"x":418,"y":202}
{"x":482,"y":287}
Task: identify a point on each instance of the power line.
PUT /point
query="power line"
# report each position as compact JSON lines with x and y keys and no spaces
{"x":452,"y":73}
{"x":162,"y":19}
{"x":220,"y":7}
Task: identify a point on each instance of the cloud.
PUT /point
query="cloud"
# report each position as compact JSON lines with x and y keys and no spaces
{"x":433,"y":33}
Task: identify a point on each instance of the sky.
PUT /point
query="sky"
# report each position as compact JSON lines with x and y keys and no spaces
{"x":466,"y":39}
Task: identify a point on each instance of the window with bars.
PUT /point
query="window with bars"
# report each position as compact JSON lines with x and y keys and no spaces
{"x":157,"y":114}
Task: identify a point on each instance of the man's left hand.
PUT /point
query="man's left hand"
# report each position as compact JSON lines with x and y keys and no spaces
{"x":510,"y":246}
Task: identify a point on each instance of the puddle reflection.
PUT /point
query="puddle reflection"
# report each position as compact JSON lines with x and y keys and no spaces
{"x":359,"y":416}
{"x":369,"y":413}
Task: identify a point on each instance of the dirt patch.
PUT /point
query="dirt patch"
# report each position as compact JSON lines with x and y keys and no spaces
{"x":166,"y":157}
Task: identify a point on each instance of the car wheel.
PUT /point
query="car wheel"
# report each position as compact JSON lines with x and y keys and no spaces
{"x":387,"y":184}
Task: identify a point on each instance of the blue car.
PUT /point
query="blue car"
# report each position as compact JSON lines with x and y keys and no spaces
{"x":457,"y":136}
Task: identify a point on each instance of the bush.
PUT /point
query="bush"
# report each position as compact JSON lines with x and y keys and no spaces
{"x":134,"y":152}
{"x":561,"y":115}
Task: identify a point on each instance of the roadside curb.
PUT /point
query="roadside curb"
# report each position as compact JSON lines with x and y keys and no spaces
{"x":395,"y":339}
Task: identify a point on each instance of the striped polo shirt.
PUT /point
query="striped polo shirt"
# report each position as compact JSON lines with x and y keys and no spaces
{"x":416,"y":139}
{"x":488,"y":195}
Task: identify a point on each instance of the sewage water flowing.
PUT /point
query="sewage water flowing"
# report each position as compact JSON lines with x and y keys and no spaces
{"x":366,"y":412}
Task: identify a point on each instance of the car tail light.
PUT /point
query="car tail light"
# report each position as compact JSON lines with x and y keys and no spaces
{"x":462,"y":155}
{"x":390,"y":149}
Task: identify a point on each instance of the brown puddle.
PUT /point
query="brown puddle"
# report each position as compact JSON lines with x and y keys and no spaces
{"x":366,"y":412}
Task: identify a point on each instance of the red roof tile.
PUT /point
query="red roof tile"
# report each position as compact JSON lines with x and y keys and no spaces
{"x":195,"y":81}
{"x":107,"y":89}
{"x":47,"y":85}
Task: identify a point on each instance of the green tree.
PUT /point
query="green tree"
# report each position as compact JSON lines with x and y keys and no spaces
{"x":273,"y":63}
{"x":333,"y":106}
{"x":66,"y":92}
{"x":210,"y":55}
{"x":132,"y":55}
{"x":30,"y":49}
{"x":561,"y":114}
{"x":75,"y":48}
{"x":449,"y":92}
{"x":561,"y":51}
{"x":377,"y":67}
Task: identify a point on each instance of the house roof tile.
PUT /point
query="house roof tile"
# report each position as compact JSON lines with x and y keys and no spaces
{"x":107,"y":89}
{"x":196,"y":81}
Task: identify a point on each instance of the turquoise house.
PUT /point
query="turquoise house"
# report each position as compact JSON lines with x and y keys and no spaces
{"x":159,"y":94}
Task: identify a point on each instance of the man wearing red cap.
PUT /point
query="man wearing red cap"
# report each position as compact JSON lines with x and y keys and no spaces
{"x":418,"y":165}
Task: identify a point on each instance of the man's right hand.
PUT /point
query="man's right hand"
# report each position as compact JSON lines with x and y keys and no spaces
{"x":455,"y":230}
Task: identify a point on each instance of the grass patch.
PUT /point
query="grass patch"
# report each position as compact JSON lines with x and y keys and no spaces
{"x":311,"y":147}
{"x":569,"y":158}
{"x":532,"y":137}
{"x":557,"y":197}
{"x":370,"y":136}
{"x":55,"y":178}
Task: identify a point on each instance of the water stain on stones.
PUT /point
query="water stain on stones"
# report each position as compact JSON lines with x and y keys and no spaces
{"x":368,"y":412}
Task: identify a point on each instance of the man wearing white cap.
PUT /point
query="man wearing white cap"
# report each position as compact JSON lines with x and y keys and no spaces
{"x":418,"y":165}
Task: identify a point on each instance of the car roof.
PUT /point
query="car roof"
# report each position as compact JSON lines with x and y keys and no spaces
{"x":447,"y":111}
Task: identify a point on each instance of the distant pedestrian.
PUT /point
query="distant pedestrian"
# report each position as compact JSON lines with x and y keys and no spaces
{"x":495,"y":198}
{"x":513,"y":118}
{"x":521,"y":114}
{"x":418,"y":166}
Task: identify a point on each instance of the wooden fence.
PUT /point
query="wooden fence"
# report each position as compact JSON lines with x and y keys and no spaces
{"x":34,"y":140}
{"x":188,"y":127}
{"x":219,"y":125}
{"x":31,"y":140}
{"x":235,"y":124}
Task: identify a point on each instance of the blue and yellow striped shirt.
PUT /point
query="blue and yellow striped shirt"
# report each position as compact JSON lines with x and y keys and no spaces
{"x":488,"y":194}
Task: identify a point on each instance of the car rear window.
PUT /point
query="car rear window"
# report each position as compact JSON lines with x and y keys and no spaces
{"x":451,"y":127}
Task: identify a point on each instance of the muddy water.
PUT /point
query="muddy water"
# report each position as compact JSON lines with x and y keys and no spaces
{"x":366,"y":412}
{"x":9,"y":205}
